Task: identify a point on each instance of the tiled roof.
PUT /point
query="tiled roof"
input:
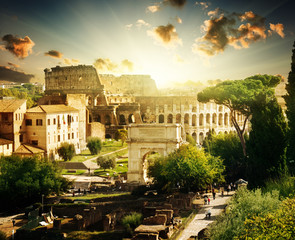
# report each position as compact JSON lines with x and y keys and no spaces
{"x":5,"y":141}
{"x":59,"y":108}
{"x":25,"y":148}
{"x":11,"y":105}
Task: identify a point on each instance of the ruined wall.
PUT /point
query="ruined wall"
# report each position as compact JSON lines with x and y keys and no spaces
{"x":137,"y":85}
{"x":96,"y":129}
{"x":195,"y":117}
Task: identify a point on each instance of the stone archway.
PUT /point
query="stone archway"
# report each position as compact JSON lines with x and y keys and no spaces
{"x":146,"y":138}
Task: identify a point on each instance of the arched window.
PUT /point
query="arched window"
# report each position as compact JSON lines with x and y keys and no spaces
{"x":107,"y":120}
{"x":131,"y":118}
{"x":122,"y":120}
{"x":207,"y":118}
{"x":201,"y":120}
{"x":220,"y":119}
{"x":178,"y":118}
{"x":161,"y":118}
{"x":186,"y":118}
{"x":194,"y":120}
{"x":170,"y":118}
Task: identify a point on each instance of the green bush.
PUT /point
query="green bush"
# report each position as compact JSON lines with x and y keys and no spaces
{"x":94,"y":145}
{"x":244,"y":204}
{"x":3,"y":235}
{"x":66,"y":151}
{"x":285,"y":186}
{"x":274,"y":225}
{"x":106,"y":162}
{"x":132,"y":221}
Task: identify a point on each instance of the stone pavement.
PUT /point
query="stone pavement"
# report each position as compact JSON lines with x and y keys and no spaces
{"x":200,"y":221}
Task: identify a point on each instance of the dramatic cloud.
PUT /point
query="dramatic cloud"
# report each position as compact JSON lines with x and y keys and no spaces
{"x":153,"y":8}
{"x":8,"y":74}
{"x":128,"y":26}
{"x":166,"y":35}
{"x":140,"y":23}
{"x":75,"y":60}
{"x":204,"y":5}
{"x":54,"y":54}
{"x":238,"y":30}
{"x":20,"y":47}
{"x":175,"y":3}
{"x":179,"y":20}
{"x":278,"y":28}
{"x":13,"y":65}
{"x":105,"y":65}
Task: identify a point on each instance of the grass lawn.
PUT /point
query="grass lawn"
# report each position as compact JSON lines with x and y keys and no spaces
{"x":121,"y":168}
{"x":98,"y":195}
{"x":107,"y":146}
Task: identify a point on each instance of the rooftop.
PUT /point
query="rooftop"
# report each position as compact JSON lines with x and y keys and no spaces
{"x":11,"y":105}
{"x":59,"y":108}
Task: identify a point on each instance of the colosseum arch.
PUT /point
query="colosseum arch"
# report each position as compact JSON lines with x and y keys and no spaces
{"x":146,"y":138}
{"x":186,"y":118}
{"x":122,"y":120}
{"x":170,"y":118}
{"x":201,"y":119}
{"x":208,"y":117}
{"x":201,"y":138}
{"x":178,"y":118}
{"x":194,"y":120}
{"x":161,"y":118}
{"x":214,"y":118}
{"x":220,"y":119}
{"x":131,"y":118}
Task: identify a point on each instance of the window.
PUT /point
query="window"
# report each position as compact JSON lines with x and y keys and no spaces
{"x":69,"y":136}
{"x":35,"y":142}
{"x":16,"y":116}
{"x":28,"y":122}
{"x":54,"y":121}
{"x":58,"y":138}
{"x":48,"y":122}
{"x":7,"y":146}
{"x":73,"y":136}
{"x":39,"y":122}
{"x":21,"y":138}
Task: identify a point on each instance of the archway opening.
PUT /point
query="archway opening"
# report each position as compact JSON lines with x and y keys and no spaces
{"x":131,"y":118}
{"x":170,"y":118}
{"x":161,"y":118}
{"x":122,"y":120}
{"x":147,"y":160}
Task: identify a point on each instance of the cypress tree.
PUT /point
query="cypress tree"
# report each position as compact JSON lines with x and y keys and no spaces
{"x":290,"y":112}
{"x":267,"y":142}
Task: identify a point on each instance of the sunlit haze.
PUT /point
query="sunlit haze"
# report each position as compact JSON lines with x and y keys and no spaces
{"x":173,"y":41}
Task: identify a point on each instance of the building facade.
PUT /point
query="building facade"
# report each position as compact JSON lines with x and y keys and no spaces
{"x":47,"y":126}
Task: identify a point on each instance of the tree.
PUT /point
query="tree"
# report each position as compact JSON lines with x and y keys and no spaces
{"x":190,"y":140}
{"x":290,"y":112}
{"x":94,"y":145}
{"x":106,"y":162}
{"x":228,"y":148}
{"x":66,"y":151}
{"x":188,"y":168}
{"x":238,"y":96}
{"x":121,"y":134}
{"x":279,"y":224}
{"x":24,"y":180}
{"x":267,"y":141}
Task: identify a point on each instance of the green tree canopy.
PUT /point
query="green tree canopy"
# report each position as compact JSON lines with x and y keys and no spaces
{"x":106,"y":162}
{"x":94,"y":145}
{"x":24,"y":180}
{"x":229,"y":148}
{"x":188,"y":168}
{"x":267,"y":141}
{"x":238,"y":96}
{"x":121,"y":134}
{"x":66,"y":151}
{"x":290,"y":112}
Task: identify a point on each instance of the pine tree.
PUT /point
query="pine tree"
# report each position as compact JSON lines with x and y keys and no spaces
{"x":290,"y":104}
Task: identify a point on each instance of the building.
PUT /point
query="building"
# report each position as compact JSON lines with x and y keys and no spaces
{"x":6,"y":147}
{"x":12,"y":112}
{"x":47,"y":126}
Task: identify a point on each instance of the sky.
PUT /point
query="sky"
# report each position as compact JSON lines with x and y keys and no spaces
{"x":171,"y":40}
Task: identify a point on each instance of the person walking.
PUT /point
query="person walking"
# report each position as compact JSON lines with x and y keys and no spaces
{"x":208,"y":201}
{"x":213,"y":193}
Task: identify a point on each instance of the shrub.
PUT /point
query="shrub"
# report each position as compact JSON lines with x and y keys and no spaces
{"x":94,"y":145}
{"x":285,"y":186}
{"x":245,"y":204}
{"x":66,"y":151}
{"x":3,"y":235}
{"x":132,"y":221}
{"x":106,"y":162}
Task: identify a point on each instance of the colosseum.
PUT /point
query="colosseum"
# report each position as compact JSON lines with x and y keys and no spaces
{"x":116,"y":102}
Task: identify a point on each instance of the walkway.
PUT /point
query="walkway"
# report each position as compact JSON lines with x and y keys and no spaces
{"x":200,"y":222}
{"x":93,"y":165}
